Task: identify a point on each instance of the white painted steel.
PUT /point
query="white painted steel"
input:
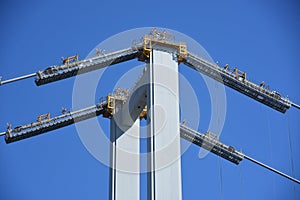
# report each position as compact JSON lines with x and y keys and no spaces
{"x":125,"y":161}
{"x":164,"y":177}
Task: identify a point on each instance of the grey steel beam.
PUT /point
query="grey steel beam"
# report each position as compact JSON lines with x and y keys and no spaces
{"x":56,"y":73}
{"x":36,"y":128}
{"x":262,"y":95}
{"x":227,"y":152}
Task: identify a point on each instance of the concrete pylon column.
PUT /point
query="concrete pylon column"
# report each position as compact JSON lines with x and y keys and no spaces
{"x":164,"y":163}
{"x":124,"y":158}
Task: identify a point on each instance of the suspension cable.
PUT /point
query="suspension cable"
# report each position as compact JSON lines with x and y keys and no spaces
{"x":241,"y":182}
{"x":221,"y":179}
{"x":272,"y":169}
{"x":271,"y":149}
{"x":17,"y":78}
{"x":291,"y":152}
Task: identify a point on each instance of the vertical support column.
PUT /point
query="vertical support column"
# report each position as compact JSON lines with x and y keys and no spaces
{"x":124,"y":157}
{"x":164,"y":163}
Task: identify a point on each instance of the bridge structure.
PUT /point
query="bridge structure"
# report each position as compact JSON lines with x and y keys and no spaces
{"x":157,"y":85}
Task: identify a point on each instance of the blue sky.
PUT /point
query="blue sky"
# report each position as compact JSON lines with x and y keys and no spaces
{"x":259,"y":37}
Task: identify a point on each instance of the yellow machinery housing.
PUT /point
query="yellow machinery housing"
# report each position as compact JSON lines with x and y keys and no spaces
{"x":162,"y":38}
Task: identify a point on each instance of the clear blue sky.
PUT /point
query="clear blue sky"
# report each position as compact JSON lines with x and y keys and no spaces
{"x":259,"y":37}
